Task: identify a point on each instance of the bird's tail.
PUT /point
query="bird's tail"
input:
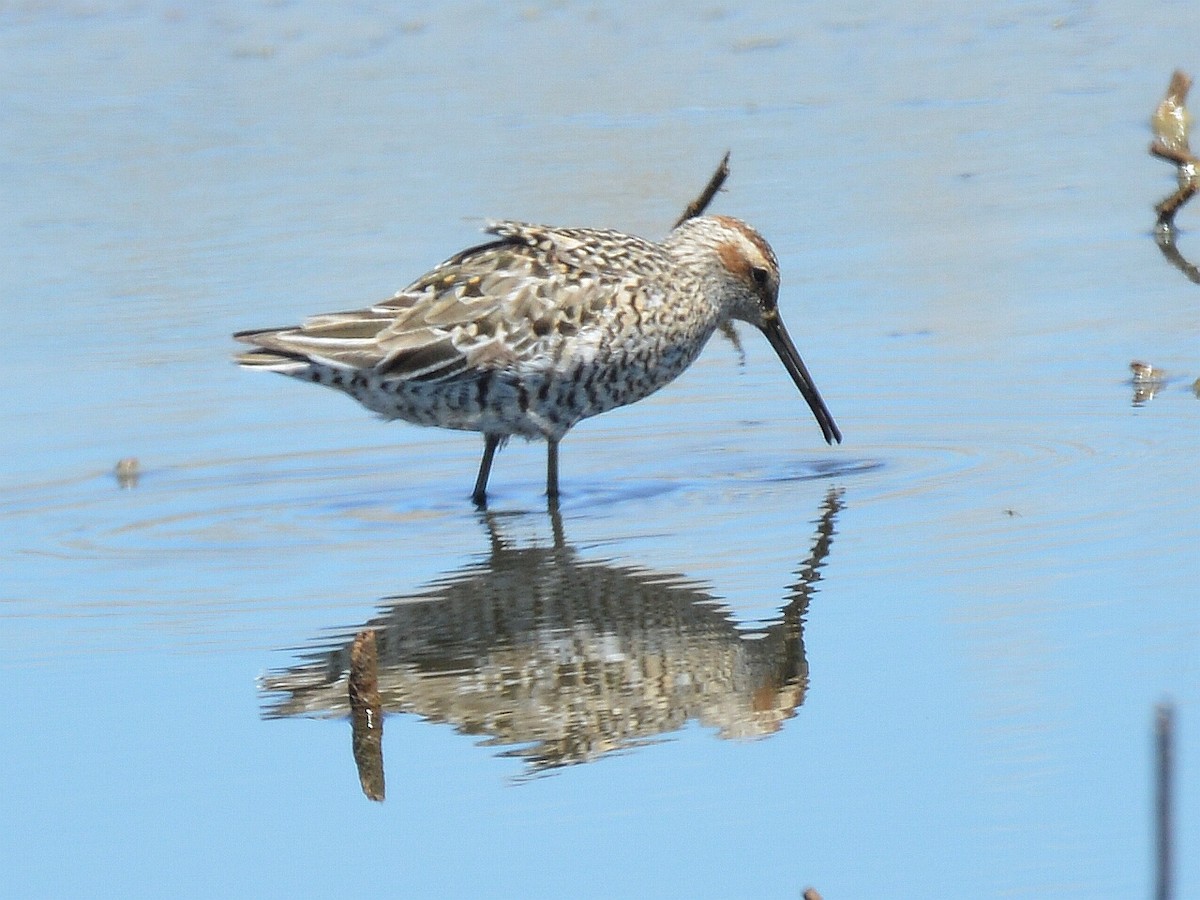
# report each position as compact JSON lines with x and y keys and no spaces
{"x":267,"y":354}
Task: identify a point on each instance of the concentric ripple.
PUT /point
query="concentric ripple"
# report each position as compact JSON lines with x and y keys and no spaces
{"x":287,"y":504}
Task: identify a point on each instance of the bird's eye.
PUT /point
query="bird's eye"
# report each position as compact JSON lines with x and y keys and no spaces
{"x":759,"y":275}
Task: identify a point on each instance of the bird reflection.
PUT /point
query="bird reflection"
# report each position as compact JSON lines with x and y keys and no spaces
{"x":561,"y":659}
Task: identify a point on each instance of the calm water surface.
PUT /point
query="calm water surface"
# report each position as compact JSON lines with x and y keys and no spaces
{"x":739,"y":663}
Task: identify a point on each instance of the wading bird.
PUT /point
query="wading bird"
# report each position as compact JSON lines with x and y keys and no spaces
{"x":543,"y":327}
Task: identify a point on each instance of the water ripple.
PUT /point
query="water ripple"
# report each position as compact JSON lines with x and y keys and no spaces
{"x":289,"y":503}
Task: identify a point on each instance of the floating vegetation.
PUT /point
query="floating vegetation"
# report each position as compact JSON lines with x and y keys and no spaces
{"x":1171,"y":123}
{"x":127,"y":471}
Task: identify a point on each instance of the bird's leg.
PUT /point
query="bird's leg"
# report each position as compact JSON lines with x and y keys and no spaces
{"x":552,"y":471}
{"x":490,"y":443}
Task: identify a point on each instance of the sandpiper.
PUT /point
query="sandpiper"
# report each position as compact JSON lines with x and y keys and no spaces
{"x":542,"y":327}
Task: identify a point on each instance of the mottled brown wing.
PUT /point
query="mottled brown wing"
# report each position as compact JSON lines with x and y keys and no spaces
{"x":515,"y":301}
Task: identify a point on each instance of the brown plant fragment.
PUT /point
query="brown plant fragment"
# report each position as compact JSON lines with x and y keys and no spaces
{"x":1171,"y":122}
{"x":366,"y":714}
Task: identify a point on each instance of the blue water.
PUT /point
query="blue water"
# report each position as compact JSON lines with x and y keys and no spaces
{"x":961,"y":202}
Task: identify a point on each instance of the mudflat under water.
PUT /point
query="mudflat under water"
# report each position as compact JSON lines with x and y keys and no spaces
{"x":922,"y":663}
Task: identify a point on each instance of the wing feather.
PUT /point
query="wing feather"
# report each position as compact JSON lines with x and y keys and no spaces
{"x":508,"y":302}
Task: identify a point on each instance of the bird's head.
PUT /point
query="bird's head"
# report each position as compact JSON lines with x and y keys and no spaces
{"x":741,"y":276}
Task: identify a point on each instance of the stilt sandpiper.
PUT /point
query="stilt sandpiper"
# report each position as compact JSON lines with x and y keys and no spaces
{"x":542,"y":327}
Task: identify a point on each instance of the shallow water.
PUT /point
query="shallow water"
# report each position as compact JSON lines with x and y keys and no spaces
{"x":920,"y":663}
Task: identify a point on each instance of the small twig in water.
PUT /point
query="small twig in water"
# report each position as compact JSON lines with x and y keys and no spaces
{"x":366,"y":713}
{"x":1164,"y":741}
{"x":697,"y":207}
{"x":700,"y":204}
{"x":1171,"y":123}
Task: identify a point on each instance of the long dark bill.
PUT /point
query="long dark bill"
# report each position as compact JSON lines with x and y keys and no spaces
{"x":790,"y":357}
